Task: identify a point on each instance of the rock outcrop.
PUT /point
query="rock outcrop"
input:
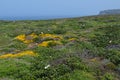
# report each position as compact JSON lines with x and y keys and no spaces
{"x":109,"y":12}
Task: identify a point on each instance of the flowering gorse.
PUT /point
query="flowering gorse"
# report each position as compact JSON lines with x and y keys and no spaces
{"x":50,"y":36}
{"x":20,"y":54}
{"x":26,"y":38}
{"x":45,"y":40}
{"x":49,"y":43}
{"x":72,"y":39}
{"x":21,"y":37}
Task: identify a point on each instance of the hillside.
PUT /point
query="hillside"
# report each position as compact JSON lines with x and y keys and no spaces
{"x":85,"y":48}
{"x":110,"y":12}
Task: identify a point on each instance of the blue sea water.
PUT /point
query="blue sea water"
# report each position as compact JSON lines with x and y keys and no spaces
{"x":34,"y":17}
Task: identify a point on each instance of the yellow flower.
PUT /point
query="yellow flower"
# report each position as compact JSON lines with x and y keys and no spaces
{"x":20,"y":54}
{"x":20,"y":37}
{"x":6,"y":55}
{"x":49,"y":43}
{"x":26,"y":39}
{"x":29,"y":38}
{"x":94,"y":60}
{"x":72,"y":39}
{"x":33,"y":35}
{"x":50,"y":36}
{"x":44,"y":44}
{"x":31,"y":53}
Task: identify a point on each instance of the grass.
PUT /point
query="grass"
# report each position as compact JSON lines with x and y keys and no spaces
{"x":86,"y":48}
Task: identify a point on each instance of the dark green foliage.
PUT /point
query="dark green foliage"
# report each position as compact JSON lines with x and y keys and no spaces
{"x":114,"y":56}
{"x":63,"y":66}
{"x":59,"y":31}
{"x":111,"y":36}
{"x":108,"y":76}
{"x":18,"y":46}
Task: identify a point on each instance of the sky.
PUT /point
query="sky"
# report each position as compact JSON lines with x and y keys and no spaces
{"x":55,"y":7}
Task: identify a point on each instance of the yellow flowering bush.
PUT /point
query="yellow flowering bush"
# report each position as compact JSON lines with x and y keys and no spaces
{"x":20,"y":54}
{"x":94,"y":60}
{"x":49,"y":43}
{"x":72,"y":39}
{"x":48,"y":39}
{"x":44,"y":43}
{"x":20,"y":37}
{"x":33,"y":35}
{"x":26,"y":39}
{"x":50,"y":36}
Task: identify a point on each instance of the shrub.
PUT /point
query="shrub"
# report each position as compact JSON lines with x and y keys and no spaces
{"x":111,"y":35}
{"x":114,"y":56}
{"x":108,"y":76}
{"x":59,"y":31}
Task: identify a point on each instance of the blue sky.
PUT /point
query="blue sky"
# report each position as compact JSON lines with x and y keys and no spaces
{"x":55,"y":7}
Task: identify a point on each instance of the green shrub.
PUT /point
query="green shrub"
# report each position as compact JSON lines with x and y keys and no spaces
{"x":111,"y":35}
{"x":114,"y":56}
{"x":78,"y":75}
{"x":59,"y":31}
{"x":108,"y":76}
{"x":58,"y":66}
{"x":18,"y":45}
{"x":10,"y":68}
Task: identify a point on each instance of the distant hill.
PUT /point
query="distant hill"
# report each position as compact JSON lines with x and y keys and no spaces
{"x":112,"y":11}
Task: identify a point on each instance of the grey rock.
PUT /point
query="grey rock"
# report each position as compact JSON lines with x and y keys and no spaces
{"x":109,"y":12}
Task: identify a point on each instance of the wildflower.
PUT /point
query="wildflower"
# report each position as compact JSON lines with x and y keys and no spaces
{"x":20,"y":54}
{"x":44,"y":44}
{"x":20,"y":37}
{"x":42,"y":33}
{"x":72,"y":39}
{"x":48,"y":30}
{"x":50,"y":36}
{"x":6,"y":55}
{"x":47,"y":66}
{"x":94,"y":59}
{"x":110,"y":41}
{"x":33,"y":35}
{"x":49,"y":43}
{"x":26,"y":39}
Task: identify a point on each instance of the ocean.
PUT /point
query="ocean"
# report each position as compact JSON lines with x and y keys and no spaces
{"x":34,"y":17}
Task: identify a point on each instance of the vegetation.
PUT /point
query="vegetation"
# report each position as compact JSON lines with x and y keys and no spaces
{"x":86,"y":48}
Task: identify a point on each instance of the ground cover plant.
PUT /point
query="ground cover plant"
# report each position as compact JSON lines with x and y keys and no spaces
{"x":85,"y":48}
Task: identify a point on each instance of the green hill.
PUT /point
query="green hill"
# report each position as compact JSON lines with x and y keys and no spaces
{"x":85,"y":48}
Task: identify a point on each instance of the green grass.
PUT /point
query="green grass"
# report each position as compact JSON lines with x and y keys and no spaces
{"x":94,"y":55}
